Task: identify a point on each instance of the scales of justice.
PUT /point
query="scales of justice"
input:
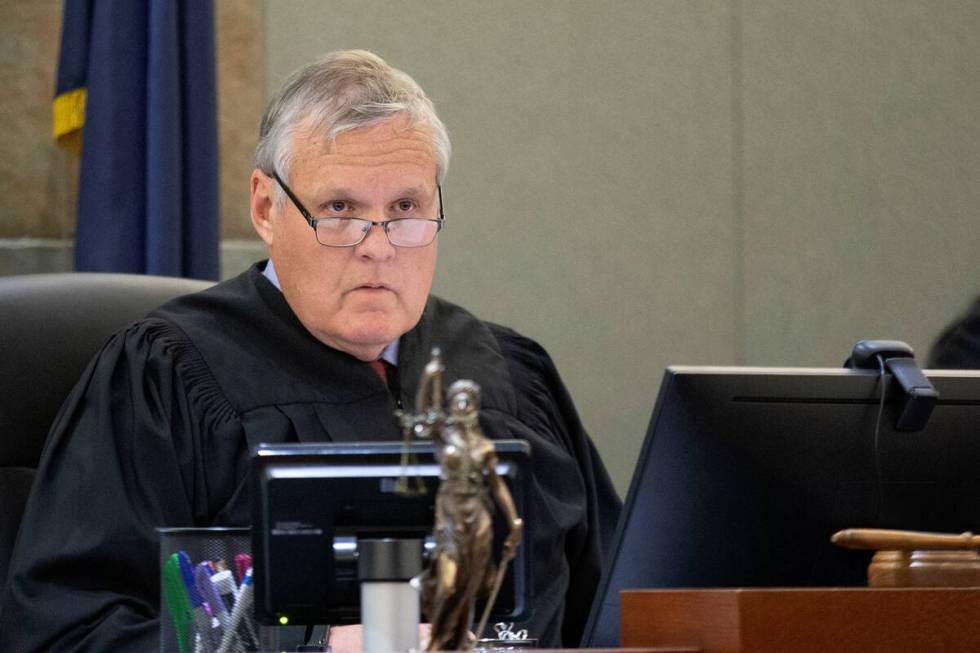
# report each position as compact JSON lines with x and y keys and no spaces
{"x":461,"y":569}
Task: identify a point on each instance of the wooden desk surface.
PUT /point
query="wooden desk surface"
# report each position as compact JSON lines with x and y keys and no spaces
{"x":804,"y":620}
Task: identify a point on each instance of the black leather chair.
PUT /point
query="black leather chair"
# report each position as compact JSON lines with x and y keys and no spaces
{"x":51,"y":325}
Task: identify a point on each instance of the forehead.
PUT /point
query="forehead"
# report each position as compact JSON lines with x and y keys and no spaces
{"x":391,"y":150}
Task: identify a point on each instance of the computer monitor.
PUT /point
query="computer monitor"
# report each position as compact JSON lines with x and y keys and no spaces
{"x":311,"y":502}
{"x":745,"y":473}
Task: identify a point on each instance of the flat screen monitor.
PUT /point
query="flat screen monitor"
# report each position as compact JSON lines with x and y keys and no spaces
{"x":745,"y":473}
{"x":312,"y":502}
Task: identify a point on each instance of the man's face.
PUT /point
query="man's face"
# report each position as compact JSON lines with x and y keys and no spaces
{"x":355,"y":299}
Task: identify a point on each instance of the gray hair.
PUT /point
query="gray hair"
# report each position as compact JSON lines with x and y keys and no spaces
{"x":342,"y":91}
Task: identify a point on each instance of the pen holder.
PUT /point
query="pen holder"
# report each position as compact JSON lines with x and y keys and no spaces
{"x":206,"y":596}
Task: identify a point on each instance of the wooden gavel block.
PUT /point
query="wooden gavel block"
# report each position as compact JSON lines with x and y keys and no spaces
{"x":916,"y":559}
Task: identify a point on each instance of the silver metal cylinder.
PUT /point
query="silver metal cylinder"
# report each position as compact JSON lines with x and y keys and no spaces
{"x":389,"y":605}
{"x":390,"y":617}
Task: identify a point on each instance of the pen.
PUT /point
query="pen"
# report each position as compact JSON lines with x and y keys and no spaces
{"x":224,"y":584}
{"x":202,"y":617}
{"x":202,"y":580}
{"x":243,"y":562}
{"x":178,"y":603}
{"x":240,"y":614}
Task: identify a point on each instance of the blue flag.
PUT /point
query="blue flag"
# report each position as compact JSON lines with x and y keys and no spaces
{"x":136,"y":90}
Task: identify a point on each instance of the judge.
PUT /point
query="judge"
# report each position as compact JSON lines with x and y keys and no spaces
{"x":347,"y":195}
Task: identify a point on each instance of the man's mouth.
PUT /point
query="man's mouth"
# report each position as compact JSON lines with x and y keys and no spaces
{"x":373,"y":287}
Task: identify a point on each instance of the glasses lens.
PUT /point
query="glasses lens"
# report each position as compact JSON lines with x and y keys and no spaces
{"x":412,"y":232}
{"x":345,"y":232}
{"x":340,"y":232}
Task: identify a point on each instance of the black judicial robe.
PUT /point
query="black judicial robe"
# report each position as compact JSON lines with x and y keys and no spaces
{"x":157,"y":433}
{"x":958,"y":347}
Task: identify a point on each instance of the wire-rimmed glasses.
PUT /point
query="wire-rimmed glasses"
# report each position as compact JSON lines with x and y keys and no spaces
{"x":348,"y":232}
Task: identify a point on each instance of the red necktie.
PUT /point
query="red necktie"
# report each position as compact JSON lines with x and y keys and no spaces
{"x":381,"y":367}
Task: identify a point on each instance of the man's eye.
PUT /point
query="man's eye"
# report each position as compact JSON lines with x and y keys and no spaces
{"x":406,"y":205}
{"x":338,"y":206}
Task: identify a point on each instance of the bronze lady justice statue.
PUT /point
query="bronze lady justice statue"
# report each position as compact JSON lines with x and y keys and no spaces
{"x":462,"y":568}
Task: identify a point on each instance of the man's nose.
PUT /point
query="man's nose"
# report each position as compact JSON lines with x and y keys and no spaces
{"x":375,"y":243}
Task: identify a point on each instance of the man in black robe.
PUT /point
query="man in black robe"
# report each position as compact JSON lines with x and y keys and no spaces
{"x":347,"y":195}
{"x":958,"y":346}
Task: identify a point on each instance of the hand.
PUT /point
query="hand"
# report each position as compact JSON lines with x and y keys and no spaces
{"x":513,"y":539}
{"x":350,"y":639}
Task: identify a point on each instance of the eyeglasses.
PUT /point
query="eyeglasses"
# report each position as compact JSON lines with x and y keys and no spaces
{"x":348,"y":232}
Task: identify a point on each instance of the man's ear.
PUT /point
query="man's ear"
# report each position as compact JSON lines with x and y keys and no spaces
{"x":262,"y":204}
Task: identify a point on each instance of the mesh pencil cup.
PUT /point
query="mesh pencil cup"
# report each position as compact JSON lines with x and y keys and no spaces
{"x":206,"y":595}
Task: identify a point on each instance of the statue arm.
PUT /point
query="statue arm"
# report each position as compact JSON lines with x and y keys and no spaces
{"x":428,"y":402}
{"x":506,"y":502}
{"x":429,"y":395}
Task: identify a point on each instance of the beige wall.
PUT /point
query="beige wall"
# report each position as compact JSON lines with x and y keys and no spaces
{"x":635,"y":183}
{"x":861,"y":165}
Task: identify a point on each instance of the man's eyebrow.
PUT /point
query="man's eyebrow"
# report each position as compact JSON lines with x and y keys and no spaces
{"x":413,"y":191}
